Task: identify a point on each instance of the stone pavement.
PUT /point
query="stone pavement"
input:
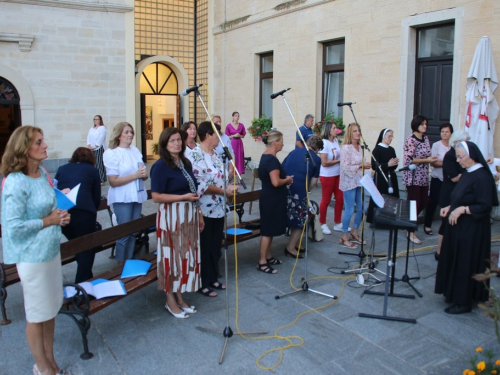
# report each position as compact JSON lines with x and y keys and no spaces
{"x":138,"y":336}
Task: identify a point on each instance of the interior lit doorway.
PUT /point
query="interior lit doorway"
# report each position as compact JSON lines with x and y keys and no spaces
{"x":10,"y":112}
{"x":159,"y":105}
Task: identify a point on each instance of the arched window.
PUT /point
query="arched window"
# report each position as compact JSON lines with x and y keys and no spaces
{"x":158,"y":78}
{"x":10,"y":112}
{"x":8,"y":92}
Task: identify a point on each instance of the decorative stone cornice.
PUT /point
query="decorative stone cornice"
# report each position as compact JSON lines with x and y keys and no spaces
{"x":99,"y":6}
{"x":24,"y":40}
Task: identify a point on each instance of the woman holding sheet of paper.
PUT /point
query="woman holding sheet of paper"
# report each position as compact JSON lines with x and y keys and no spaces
{"x":126,"y":173}
{"x":179,"y":222}
{"x":81,"y":170}
{"x":31,"y":235}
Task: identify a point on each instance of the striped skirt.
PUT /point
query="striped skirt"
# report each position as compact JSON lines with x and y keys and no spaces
{"x":178,"y":245}
{"x":99,"y":164}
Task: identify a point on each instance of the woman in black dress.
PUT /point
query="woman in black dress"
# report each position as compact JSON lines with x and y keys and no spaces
{"x":467,"y":236}
{"x":273,"y":199}
{"x":386,"y":157}
{"x":452,"y":171}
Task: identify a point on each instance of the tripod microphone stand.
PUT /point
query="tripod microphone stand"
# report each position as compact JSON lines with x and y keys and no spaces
{"x":305,"y":285}
{"x":308,"y":157}
{"x":227,"y":332}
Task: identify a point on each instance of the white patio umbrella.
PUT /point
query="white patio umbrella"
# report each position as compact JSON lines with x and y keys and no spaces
{"x":482,"y":107}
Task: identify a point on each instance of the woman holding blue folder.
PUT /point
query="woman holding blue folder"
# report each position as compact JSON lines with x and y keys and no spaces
{"x":31,"y":235}
{"x":179,"y":222}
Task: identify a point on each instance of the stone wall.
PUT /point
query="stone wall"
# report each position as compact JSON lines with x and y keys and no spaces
{"x":76,"y":67}
{"x":376,"y":76}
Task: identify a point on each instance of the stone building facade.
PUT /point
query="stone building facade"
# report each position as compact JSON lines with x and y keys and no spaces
{"x":383,"y":49}
{"x":79,"y":63}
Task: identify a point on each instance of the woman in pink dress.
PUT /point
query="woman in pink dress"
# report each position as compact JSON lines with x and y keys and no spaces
{"x":236,"y":131}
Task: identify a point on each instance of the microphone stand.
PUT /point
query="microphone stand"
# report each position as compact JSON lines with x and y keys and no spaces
{"x":298,"y":131}
{"x":308,"y":157}
{"x":227,"y":332}
{"x":305,"y":285}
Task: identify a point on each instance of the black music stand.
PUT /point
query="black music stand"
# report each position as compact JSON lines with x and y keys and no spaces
{"x":391,"y":254}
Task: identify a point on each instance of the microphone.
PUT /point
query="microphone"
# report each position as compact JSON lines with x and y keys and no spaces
{"x":346,"y":103}
{"x":276,"y":94}
{"x":191,"y":89}
{"x":410,"y":167}
{"x":390,"y":190}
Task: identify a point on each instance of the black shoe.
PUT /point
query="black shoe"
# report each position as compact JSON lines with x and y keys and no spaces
{"x":428,"y":231}
{"x":457,"y":309}
{"x":289,"y":254}
{"x":436,"y":255}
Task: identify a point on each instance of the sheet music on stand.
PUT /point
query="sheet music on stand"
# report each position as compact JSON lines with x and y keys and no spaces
{"x":369,"y":185}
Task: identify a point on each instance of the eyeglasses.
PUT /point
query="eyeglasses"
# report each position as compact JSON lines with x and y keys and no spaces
{"x":172,"y":141}
{"x":461,"y":157}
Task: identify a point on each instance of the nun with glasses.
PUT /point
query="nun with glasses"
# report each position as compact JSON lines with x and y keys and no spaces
{"x":385,"y":156}
{"x":466,"y":244}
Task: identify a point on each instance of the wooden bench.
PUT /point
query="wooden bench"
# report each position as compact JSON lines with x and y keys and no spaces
{"x":81,"y":306}
{"x":9,"y":276}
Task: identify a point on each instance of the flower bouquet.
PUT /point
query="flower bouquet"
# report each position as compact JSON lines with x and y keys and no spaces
{"x":260,"y":127}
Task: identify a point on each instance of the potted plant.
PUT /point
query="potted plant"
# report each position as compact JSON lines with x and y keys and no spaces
{"x":260,"y":127}
{"x":154,"y":148}
{"x":330,"y":116}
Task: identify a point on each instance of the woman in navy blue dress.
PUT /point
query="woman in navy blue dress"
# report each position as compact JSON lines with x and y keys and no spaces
{"x":81,"y":170}
{"x":272,"y":202}
{"x":295,"y":165}
{"x":179,"y":223}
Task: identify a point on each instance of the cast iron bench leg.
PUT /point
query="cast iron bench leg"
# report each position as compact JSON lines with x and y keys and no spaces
{"x":3,"y":297}
{"x":80,"y":316}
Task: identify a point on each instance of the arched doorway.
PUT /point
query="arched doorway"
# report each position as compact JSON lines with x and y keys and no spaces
{"x":10,"y":112}
{"x":159,"y":104}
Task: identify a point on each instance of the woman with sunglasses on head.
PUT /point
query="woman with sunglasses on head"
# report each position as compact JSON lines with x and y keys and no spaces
{"x":329,"y":175}
{"x":417,"y":151}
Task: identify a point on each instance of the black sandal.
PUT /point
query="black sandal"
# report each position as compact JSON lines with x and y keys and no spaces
{"x":428,"y":232}
{"x":265,"y":268}
{"x":218,"y":285}
{"x":273,"y":261}
{"x":207,"y":292}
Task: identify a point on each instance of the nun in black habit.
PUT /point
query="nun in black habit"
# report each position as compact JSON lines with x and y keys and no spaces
{"x":467,"y":235}
{"x":386,"y":156}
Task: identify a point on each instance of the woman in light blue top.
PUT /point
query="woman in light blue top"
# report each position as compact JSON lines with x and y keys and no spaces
{"x":31,"y":234}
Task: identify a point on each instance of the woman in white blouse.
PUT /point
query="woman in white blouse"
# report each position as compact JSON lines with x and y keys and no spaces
{"x":126,"y":173}
{"x":96,"y":142}
{"x":208,"y":169}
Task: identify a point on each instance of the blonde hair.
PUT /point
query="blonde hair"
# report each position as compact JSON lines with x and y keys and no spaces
{"x":114,"y":140}
{"x":15,"y":157}
{"x":348,"y":134}
{"x":272,"y":136}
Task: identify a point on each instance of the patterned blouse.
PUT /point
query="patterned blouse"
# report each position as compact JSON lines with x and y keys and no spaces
{"x":415,"y":148}
{"x":208,"y":170}
{"x":350,"y":172}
